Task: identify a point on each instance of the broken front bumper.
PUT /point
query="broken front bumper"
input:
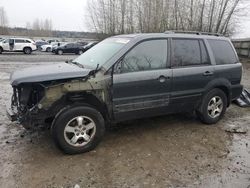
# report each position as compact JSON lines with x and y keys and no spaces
{"x":11,"y":115}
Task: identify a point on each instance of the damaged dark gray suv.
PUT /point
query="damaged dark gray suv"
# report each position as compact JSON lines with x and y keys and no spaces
{"x":127,"y":77}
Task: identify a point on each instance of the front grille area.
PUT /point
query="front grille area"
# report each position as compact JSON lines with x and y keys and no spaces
{"x":26,"y":97}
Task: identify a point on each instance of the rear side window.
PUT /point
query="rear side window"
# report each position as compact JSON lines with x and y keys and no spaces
{"x":188,"y":52}
{"x":19,"y":41}
{"x":223,"y":52}
{"x":148,"y":55}
{"x":70,"y":45}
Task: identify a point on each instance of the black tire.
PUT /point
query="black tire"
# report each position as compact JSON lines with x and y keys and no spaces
{"x":1,"y":50}
{"x":60,"y":52}
{"x":48,"y":49}
{"x":27,"y":50}
{"x":66,"y":117}
{"x":205,"y":114}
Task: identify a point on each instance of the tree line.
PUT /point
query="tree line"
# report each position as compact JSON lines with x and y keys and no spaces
{"x":39,"y":27}
{"x":145,"y":16}
{"x":3,"y":21}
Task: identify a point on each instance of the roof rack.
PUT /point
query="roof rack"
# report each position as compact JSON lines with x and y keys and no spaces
{"x":193,"y":32}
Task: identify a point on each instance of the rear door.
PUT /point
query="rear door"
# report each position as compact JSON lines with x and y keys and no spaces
{"x":19,"y":44}
{"x":192,"y":71}
{"x":142,"y":81}
{"x":76,"y":48}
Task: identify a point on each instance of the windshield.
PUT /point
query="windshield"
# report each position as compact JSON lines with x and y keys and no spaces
{"x":102,"y":52}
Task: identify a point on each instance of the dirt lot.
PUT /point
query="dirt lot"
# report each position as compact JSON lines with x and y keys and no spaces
{"x":36,"y":56}
{"x":169,"y":151}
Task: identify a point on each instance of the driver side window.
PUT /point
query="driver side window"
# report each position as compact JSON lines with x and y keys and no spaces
{"x":7,"y":41}
{"x":148,"y":55}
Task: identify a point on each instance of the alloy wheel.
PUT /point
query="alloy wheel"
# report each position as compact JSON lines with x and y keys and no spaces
{"x":79,"y":131}
{"x":215,"y":107}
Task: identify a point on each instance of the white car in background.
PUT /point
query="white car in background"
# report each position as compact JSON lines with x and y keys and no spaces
{"x":24,"y":45}
{"x":49,"y":47}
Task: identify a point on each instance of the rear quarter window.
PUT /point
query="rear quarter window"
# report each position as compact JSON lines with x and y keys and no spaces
{"x":223,"y":52}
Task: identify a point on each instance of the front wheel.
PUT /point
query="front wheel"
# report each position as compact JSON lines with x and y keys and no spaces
{"x":60,"y":52}
{"x":1,"y":50}
{"x":213,"y":106}
{"x":78,"y":129}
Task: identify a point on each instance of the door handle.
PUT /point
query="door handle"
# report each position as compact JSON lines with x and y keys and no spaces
{"x":163,"y":78}
{"x":208,"y":73}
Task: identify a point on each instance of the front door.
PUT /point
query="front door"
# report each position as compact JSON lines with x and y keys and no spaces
{"x":6,"y":45}
{"x":192,"y":71}
{"x":142,"y":81}
{"x":69,"y":48}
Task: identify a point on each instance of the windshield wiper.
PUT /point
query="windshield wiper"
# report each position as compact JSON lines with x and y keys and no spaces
{"x":75,"y":63}
{"x":78,"y":64}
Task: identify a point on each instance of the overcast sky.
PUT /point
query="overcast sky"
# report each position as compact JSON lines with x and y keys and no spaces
{"x":69,"y":15}
{"x":65,"y":14}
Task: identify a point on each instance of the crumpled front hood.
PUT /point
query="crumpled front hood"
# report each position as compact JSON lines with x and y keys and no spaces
{"x":48,"y":73}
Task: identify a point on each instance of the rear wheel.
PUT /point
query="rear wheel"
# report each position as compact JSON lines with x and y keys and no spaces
{"x":1,"y":50}
{"x":78,"y":129}
{"x":27,"y":50}
{"x":213,"y":106}
{"x":48,"y":49}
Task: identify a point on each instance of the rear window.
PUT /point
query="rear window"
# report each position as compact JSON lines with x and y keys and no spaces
{"x":223,"y":52}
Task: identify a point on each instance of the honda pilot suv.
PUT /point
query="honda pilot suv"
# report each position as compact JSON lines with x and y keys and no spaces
{"x":127,"y":77}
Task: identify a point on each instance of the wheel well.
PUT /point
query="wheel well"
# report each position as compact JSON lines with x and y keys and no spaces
{"x":91,"y":100}
{"x":26,"y":47}
{"x":77,"y":99}
{"x":80,"y":99}
{"x":227,"y":92}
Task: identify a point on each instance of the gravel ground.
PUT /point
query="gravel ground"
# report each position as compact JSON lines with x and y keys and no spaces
{"x":166,"y":151}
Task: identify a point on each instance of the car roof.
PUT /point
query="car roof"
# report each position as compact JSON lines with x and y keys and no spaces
{"x":171,"y":35}
{"x":20,"y":38}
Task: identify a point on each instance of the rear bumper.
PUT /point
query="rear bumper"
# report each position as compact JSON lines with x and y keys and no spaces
{"x":236,"y":91}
